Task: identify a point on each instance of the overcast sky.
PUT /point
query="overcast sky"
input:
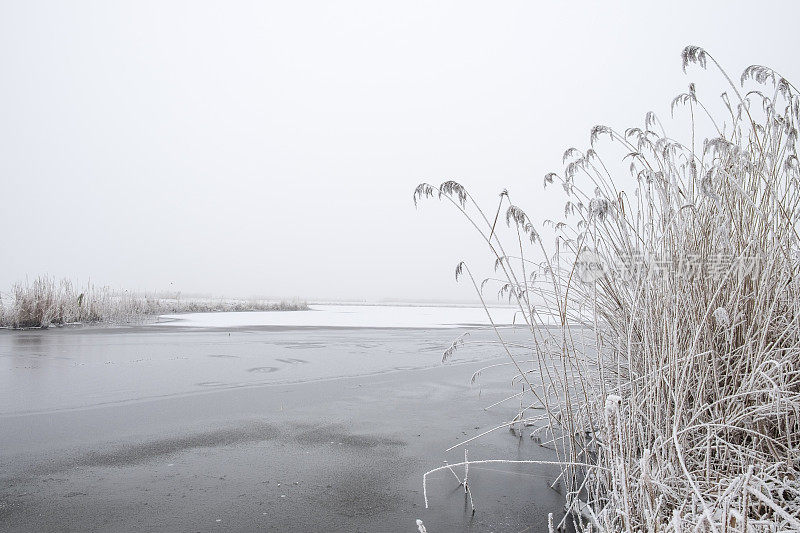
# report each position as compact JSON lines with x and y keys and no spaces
{"x":271,"y":148}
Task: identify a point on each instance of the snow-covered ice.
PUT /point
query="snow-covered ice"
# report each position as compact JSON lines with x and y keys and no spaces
{"x":350,"y":316}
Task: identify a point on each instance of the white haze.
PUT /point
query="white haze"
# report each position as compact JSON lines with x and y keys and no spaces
{"x":271,"y":148}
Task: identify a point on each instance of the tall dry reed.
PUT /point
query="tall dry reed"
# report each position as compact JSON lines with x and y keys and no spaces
{"x":46,"y":302}
{"x":664,"y":317}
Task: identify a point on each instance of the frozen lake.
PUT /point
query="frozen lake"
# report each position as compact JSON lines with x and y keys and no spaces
{"x":247,"y":421}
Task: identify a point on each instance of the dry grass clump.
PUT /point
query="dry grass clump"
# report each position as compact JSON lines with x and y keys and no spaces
{"x":670,"y":382}
{"x":46,"y":303}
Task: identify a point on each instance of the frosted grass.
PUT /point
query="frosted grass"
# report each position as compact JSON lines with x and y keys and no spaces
{"x":46,"y":302}
{"x":670,"y":392}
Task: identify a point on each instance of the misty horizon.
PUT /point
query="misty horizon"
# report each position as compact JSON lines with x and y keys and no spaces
{"x":273,"y":150}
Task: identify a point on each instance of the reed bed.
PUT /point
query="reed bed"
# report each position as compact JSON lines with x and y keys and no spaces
{"x":46,"y":302}
{"x":664,"y":314}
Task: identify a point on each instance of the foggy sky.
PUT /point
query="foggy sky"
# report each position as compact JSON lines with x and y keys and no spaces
{"x":271,"y":148}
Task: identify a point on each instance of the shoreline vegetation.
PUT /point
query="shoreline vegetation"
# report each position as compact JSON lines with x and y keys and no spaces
{"x":47,"y":303}
{"x":670,"y":392}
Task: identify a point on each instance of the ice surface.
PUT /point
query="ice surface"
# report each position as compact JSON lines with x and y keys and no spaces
{"x":76,"y":368}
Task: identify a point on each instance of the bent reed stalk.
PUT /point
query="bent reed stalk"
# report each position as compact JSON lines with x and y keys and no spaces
{"x":46,"y":303}
{"x":665,"y":319}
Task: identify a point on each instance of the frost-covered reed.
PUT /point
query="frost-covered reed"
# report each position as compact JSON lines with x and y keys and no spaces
{"x":664,"y":315}
{"x":46,"y":302}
